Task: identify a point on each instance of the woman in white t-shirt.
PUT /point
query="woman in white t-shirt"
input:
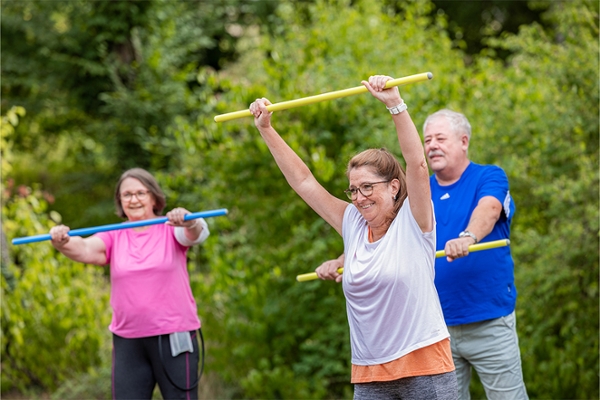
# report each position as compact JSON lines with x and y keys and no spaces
{"x":400,"y":343}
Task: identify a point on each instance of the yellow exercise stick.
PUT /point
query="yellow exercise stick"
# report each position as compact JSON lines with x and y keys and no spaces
{"x":284,"y":105}
{"x":475,"y":247}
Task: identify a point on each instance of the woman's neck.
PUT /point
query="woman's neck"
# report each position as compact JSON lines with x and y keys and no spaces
{"x":376,"y":233}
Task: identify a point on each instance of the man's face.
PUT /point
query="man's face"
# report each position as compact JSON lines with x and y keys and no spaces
{"x":444,"y":148}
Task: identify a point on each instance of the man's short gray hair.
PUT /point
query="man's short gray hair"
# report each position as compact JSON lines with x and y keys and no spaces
{"x":458,"y":122}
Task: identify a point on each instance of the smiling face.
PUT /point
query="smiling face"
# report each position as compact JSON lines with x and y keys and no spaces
{"x":134,"y":208}
{"x":446,"y":149}
{"x":378,"y":208}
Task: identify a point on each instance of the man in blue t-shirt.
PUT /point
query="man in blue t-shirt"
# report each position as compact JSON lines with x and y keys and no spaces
{"x":472,"y":202}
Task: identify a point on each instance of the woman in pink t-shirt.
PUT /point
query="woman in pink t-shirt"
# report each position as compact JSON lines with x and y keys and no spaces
{"x":155,"y":321}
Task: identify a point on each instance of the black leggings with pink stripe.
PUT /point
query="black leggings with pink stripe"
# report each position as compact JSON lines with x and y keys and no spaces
{"x":137,"y":368}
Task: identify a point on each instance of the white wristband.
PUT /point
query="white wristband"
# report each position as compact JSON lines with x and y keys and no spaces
{"x":183,"y":239}
{"x":397,"y":109}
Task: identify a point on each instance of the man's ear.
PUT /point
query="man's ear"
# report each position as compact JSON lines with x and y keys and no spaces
{"x":464,"y":139}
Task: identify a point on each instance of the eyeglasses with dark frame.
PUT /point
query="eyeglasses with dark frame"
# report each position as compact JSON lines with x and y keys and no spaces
{"x":366,"y":189}
{"x":140,"y":194}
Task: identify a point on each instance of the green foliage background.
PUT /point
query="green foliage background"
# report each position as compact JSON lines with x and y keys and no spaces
{"x":103,"y":86}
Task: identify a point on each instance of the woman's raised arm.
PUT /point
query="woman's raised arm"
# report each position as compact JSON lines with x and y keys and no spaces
{"x":417,"y":173}
{"x":299,"y":177}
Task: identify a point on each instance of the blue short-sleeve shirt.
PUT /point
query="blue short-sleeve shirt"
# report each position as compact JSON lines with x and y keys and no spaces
{"x":480,"y":286}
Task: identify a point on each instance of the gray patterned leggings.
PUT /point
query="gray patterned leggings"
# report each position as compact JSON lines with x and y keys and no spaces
{"x":427,"y":387}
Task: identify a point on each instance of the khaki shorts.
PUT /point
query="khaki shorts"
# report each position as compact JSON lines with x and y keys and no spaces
{"x":492,"y":348}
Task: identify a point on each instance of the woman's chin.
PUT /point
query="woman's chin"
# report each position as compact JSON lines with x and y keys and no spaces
{"x":137,"y":217}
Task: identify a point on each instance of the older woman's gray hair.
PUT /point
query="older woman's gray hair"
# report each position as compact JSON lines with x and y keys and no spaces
{"x":149,"y":182}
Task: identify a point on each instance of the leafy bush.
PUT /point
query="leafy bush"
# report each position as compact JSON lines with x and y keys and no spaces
{"x":54,"y":311}
{"x":535,"y":114}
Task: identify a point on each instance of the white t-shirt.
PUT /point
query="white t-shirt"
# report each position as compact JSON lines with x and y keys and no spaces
{"x":392,"y":304}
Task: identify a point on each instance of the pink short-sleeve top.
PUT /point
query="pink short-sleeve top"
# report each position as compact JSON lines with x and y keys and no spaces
{"x":150,"y":284}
